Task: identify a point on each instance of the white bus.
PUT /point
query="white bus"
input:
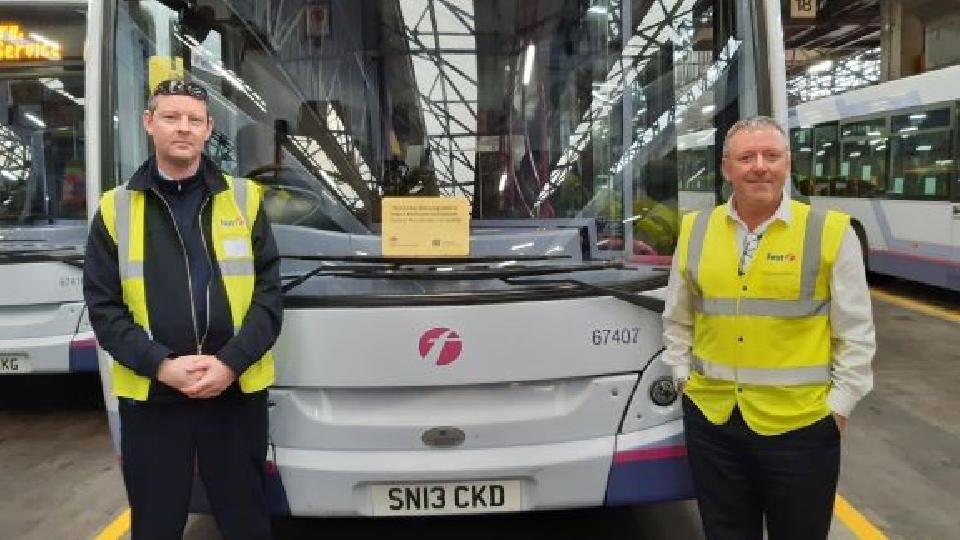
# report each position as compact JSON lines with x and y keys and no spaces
{"x":43,"y":210}
{"x":526,"y":375}
{"x":887,"y":155}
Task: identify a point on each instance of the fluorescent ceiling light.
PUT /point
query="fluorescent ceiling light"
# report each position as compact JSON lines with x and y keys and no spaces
{"x":34,"y":119}
{"x":924,"y":148}
{"x":820,"y":67}
{"x":528,"y":63}
{"x":46,"y":41}
{"x":503,"y":182}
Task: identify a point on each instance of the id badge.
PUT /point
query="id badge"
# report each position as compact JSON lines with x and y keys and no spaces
{"x":236,"y":247}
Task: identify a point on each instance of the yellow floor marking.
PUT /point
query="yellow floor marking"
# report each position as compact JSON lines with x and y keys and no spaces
{"x":118,"y":528}
{"x":848,"y":515}
{"x":854,"y":520}
{"x":926,"y":309}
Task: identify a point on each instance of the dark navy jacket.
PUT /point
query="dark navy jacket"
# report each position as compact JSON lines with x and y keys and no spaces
{"x":185,"y":315}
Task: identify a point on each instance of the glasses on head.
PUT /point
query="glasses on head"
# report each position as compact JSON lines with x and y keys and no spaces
{"x":180,"y":87}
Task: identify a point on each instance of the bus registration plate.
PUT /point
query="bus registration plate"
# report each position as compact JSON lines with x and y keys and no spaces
{"x":15,"y":363}
{"x":447,"y":498}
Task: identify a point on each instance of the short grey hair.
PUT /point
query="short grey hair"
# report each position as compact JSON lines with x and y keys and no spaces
{"x":152,"y":103}
{"x":753,"y":123}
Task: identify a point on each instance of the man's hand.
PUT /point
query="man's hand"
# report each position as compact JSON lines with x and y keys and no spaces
{"x":215,"y":378}
{"x":840,"y":420}
{"x":179,"y":372}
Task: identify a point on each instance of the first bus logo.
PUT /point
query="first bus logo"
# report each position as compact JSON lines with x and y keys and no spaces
{"x":440,"y":346}
{"x":789,"y":257}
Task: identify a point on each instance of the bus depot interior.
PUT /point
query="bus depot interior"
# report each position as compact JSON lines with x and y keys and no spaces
{"x":578,"y":132}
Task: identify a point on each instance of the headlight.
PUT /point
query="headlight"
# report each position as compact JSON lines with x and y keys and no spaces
{"x":663,"y":392}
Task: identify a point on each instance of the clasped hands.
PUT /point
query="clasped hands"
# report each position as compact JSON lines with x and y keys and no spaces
{"x":200,"y":376}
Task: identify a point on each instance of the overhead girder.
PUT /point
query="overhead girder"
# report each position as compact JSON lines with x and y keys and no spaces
{"x":438,"y":34}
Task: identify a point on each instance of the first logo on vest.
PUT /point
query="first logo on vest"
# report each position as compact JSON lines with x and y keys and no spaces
{"x":789,"y":257}
{"x":235,"y":222}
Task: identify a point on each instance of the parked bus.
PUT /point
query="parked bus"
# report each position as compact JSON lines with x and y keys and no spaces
{"x":525,"y":372}
{"x":43,"y":210}
{"x":887,"y":155}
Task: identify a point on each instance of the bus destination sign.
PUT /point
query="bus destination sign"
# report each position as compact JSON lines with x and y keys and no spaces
{"x":17,"y":44}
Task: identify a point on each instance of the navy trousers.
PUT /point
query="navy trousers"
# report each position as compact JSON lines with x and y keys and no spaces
{"x":224,"y":439}
{"x":744,"y":479}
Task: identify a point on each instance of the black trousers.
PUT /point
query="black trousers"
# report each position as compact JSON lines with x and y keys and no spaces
{"x":226,"y":437}
{"x":743,"y":479}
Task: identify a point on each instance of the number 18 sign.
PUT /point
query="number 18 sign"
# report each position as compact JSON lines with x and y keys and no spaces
{"x":803,"y":9}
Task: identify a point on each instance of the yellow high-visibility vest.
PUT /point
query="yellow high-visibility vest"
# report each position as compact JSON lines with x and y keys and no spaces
{"x":234,"y":211}
{"x":761,"y":341}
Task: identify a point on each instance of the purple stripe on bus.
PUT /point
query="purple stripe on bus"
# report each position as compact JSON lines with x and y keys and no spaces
{"x":651,"y":480}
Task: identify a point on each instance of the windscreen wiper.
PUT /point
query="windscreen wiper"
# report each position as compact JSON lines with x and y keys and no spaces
{"x":421,"y":261}
{"x":647,"y":302}
{"x":435,"y":270}
{"x":18,"y":256}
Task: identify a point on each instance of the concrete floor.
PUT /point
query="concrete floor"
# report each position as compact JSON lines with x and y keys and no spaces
{"x":901,"y":457}
{"x":901,"y":467}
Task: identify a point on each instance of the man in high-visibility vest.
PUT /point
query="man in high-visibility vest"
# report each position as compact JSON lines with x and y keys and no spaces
{"x":769,"y":329}
{"x":182,"y":283}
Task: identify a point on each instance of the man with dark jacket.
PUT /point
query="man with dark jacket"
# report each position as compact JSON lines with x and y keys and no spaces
{"x":182,"y":283}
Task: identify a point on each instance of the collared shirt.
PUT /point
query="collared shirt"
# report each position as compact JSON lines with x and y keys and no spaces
{"x":851,"y":315}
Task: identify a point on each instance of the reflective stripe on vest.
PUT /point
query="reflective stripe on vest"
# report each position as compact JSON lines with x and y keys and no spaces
{"x":233,"y":214}
{"x":762,"y":376}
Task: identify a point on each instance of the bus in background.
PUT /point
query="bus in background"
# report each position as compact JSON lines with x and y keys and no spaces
{"x":43,"y":213}
{"x":523,"y":373}
{"x":887,"y":155}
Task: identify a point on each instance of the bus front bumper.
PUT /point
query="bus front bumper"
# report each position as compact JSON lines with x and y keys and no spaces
{"x":644,"y":466}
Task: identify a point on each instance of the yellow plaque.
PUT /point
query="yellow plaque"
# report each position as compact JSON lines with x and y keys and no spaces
{"x":162,"y":67}
{"x":426,"y":227}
